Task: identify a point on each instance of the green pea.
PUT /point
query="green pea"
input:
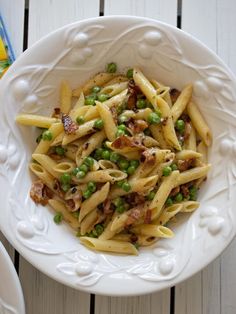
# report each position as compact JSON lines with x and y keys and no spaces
{"x":65,"y":178}
{"x":75,"y":171}
{"x":131,"y":170}
{"x":122,"y":127}
{"x":60,"y":150}
{"x":126,"y":187}
{"x":65,"y":187}
{"x":111,"y":67}
{"x":98,"y":124}
{"x":89,"y":161}
{"x":80,"y":120}
{"x":122,"y":119}
{"x":90,"y":100}
{"x":103,"y":97}
{"x":174,"y":167}
{"x":153,"y":118}
{"x":87,"y":194}
{"x":166,"y":171}
{"x":84,"y":168}
{"x":98,"y":153}
{"x":130,"y":73}
{"x":141,"y":104}
{"x":47,"y":136}
{"x":151,"y":195}
{"x":134,"y":163}
{"x":58,"y":218}
{"x":120,"y":133}
{"x":123,"y":164}
{"x":106,"y":154}
{"x":118,"y":201}
{"x":91,"y":186}
{"x":120,"y":183}
{"x":180,"y":125}
{"x":169,"y":201}
{"x":179,"y":197}
{"x":96,"y":89}
{"x":99,"y":229}
{"x":120,"y":209}
{"x":114,"y":157}
{"x":81,"y":174}
{"x":193,"y":193}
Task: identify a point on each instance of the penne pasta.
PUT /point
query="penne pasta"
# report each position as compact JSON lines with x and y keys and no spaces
{"x":181,"y":102}
{"x":36,"y":120}
{"x":65,"y":97}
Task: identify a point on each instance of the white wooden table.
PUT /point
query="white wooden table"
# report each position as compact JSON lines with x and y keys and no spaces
{"x":212,"y":291}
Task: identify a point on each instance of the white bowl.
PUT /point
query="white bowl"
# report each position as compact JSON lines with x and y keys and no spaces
{"x":75,"y":53}
{"x":11,"y":295}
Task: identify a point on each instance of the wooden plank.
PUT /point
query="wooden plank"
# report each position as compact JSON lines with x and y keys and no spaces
{"x":159,"y":302}
{"x":163,"y":10}
{"x":13,"y":16}
{"x":45,"y":295}
{"x":48,"y":15}
{"x":212,"y":22}
{"x":150,"y":304}
{"x":42,"y":294}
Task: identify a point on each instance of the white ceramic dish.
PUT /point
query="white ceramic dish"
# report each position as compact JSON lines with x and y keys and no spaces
{"x":75,"y":53}
{"x":11,"y":296}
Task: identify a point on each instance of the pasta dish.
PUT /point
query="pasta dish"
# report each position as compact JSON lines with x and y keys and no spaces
{"x":119,"y":158}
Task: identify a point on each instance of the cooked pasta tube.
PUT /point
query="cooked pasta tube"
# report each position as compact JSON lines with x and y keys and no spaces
{"x":162,"y":193}
{"x":114,"y":89}
{"x":191,"y":142}
{"x":42,"y":174}
{"x":64,"y":166}
{"x":199,"y":123}
{"x":36,"y":120}
{"x":113,"y":101}
{"x":189,"y":206}
{"x":153,"y":231}
{"x":186,"y":154}
{"x":181,"y":102}
{"x":202,"y":149}
{"x":89,"y":146}
{"x":108,"y":233}
{"x":166,"y":94}
{"x":106,"y":175}
{"x":97,"y":198}
{"x":98,"y":80}
{"x":65,"y":97}
{"x":84,"y":129}
{"x":88,"y":222}
{"x":146,"y":240}
{"x":109,"y":245}
{"x":192,"y":174}
{"x":168,"y":125}
{"x":60,"y":207}
{"x":44,"y":145}
{"x":116,"y":79}
{"x":107,"y":164}
{"x":168,"y":213}
{"x":48,"y":163}
{"x":109,"y":124}
{"x":157,"y":133}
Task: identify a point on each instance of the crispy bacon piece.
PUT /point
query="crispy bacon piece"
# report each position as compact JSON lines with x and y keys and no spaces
{"x":174,"y":94}
{"x":174,"y":191}
{"x":69,"y":126}
{"x":134,"y":199}
{"x":70,"y":204}
{"x":185,"y":191}
{"x":137,"y":126}
{"x":40,"y":193}
{"x":185,"y":164}
{"x":57,"y":188}
{"x":133,"y":91}
{"x":127,"y":141}
{"x":148,"y":216}
{"x":134,"y":215}
{"x":107,"y":209}
{"x":133,"y":238}
{"x":148,"y":157}
{"x":56,"y":113}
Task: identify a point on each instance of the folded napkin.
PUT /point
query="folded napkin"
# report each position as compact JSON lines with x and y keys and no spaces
{"x":6,"y":52}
